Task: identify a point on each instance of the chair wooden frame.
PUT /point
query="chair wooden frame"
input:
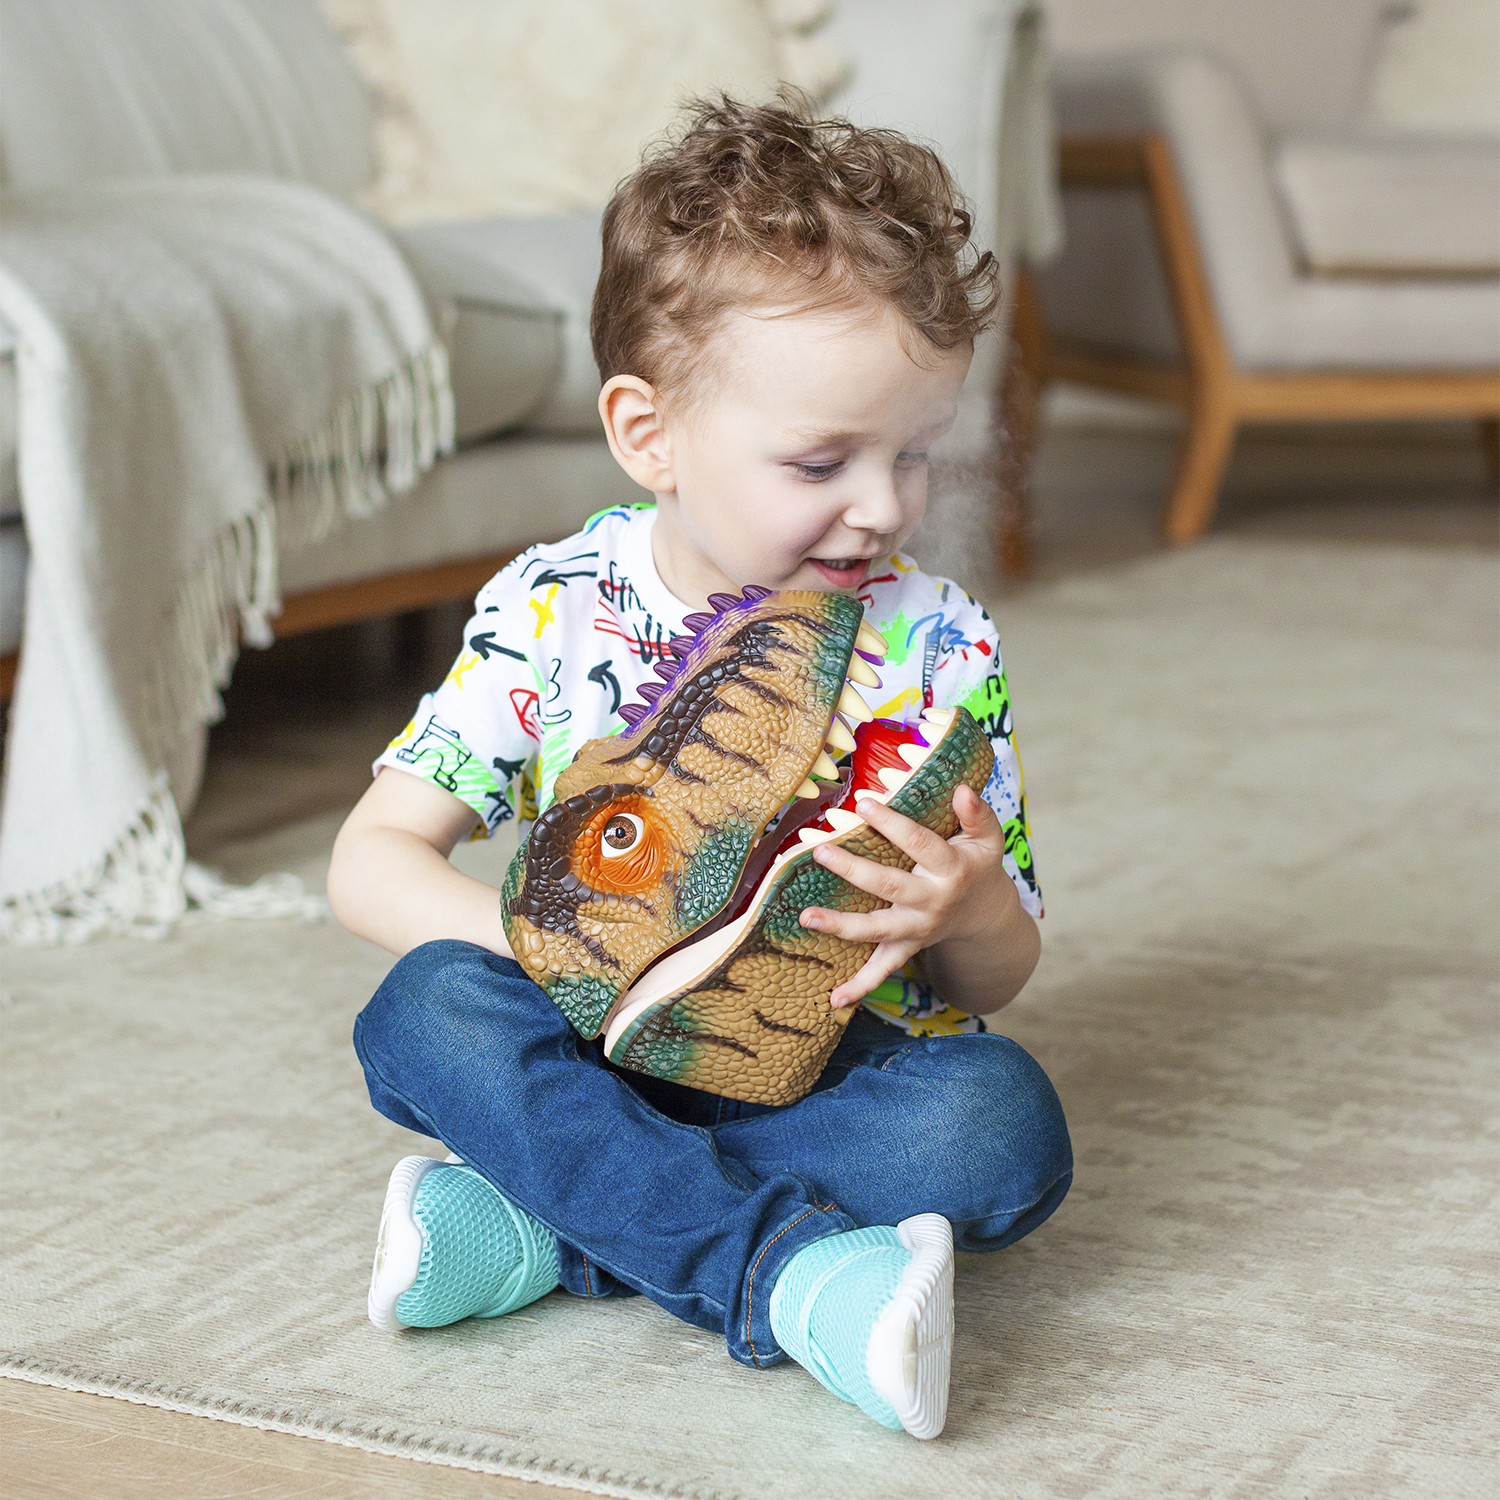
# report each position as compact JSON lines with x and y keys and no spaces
{"x":1216,"y":396}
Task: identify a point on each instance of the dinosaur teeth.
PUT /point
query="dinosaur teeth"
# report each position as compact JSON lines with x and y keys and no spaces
{"x":852,"y":706}
{"x":869,"y":639}
{"x":838,"y":737}
{"x":893,"y":778}
{"x":842,"y":821}
{"x":913,"y":755}
{"x":824,"y":767}
{"x":809,"y":788}
{"x":811,"y":836}
{"x":860,"y":672}
{"x":939,"y":717}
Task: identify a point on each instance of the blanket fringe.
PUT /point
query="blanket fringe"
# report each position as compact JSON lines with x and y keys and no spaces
{"x":379,"y":442}
{"x":143,"y":885}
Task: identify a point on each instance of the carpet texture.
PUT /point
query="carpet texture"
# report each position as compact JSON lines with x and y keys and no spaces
{"x":1263,"y":790}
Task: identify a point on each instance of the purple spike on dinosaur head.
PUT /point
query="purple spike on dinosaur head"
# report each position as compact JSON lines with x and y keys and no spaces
{"x":680,"y":645}
{"x":723,"y":601}
{"x":633,"y":713}
{"x":666,"y":670}
{"x":651,"y":691}
{"x":753,"y":591}
{"x":696,"y":622}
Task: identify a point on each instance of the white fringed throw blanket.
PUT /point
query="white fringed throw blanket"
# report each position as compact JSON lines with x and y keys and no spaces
{"x":209,"y":367}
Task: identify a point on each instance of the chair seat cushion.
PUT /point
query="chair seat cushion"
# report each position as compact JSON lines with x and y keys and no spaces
{"x":1393,"y":206}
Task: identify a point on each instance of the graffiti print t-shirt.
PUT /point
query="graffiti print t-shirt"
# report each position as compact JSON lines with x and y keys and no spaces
{"x":570,"y":630}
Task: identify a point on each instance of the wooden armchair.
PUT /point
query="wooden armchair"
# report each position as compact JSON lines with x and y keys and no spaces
{"x":1255,"y":334}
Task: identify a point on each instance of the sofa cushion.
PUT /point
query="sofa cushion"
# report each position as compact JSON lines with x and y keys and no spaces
{"x":10,"y":482}
{"x":504,"y":337}
{"x":1408,"y":206}
{"x":12,"y":585}
{"x":97,"y":88}
{"x":556,"y":261}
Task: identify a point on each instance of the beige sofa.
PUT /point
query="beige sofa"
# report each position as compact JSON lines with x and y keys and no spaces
{"x":92,"y":89}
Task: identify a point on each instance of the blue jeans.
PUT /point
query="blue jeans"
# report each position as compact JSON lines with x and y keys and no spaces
{"x":695,"y":1201}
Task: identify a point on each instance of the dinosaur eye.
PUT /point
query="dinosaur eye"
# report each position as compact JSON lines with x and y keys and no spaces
{"x":621,"y":835}
{"x":621,"y":851}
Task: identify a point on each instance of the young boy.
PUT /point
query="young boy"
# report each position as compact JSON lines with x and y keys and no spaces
{"x":785,"y":314}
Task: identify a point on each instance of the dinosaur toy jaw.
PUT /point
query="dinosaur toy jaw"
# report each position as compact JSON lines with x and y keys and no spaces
{"x":651,"y":829}
{"x":744,"y":1011}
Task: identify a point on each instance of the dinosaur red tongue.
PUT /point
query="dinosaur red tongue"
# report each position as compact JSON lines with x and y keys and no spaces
{"x":876,"y":748}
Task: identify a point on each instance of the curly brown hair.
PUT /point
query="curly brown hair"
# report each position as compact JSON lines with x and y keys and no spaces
{"x":762,"y":205}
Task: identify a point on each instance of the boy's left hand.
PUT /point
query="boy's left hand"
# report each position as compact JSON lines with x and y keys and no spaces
{"x":959,"y":889}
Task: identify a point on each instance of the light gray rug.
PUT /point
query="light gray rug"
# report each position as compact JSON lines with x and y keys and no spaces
{"x":1263,"y":783}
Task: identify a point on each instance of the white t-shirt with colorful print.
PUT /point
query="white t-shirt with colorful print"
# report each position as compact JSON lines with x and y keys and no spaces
{"x":570,"y":630}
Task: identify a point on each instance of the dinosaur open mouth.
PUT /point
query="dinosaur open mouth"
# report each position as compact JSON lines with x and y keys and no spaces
{"x":886,"y":756}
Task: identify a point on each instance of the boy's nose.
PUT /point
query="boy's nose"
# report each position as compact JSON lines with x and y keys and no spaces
{"x":876,"y":507}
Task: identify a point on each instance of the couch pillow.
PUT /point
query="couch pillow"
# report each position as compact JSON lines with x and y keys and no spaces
{"x":495,"y":107}
{"x":1407,"y":206}
{"x":504,"y":336}
{"x":1438,"y":68}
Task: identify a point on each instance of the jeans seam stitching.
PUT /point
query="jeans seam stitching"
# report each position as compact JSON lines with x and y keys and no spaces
{"x":750,"y":1284}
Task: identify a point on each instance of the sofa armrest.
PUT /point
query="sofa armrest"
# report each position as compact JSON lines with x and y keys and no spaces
{"x":969,"y":77}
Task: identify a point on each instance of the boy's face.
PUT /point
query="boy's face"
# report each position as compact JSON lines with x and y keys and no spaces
{"x":806,"y":459}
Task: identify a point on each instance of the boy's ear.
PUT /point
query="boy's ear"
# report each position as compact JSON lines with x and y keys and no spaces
{"x":633,"y":425}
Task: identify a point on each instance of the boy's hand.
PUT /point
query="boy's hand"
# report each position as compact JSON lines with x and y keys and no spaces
{"x":958,"y":890}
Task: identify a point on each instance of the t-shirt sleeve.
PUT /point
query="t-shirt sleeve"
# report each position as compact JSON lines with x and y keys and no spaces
{"x":968,"y":671}
{"x":478,"y":735}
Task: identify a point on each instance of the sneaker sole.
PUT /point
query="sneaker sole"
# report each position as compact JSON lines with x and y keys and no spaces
{"x":398,"y":1249}
{"x":910,"y":1353}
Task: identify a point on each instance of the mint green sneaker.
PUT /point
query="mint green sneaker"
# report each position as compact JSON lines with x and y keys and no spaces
{"x":869,"y":1312}
{"x":452,"y":1246}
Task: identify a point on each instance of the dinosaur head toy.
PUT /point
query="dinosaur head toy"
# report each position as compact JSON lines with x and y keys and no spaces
{"x":657,"y":898}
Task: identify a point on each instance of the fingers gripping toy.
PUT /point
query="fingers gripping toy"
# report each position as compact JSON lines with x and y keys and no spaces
{"x":657,"y":899}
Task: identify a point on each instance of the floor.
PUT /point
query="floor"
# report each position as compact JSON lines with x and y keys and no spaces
{"x":304,"y":719}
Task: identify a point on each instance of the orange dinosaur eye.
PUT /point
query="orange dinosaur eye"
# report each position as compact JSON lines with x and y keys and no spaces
{"x":622,"y":849}
{"x":622,"y":833}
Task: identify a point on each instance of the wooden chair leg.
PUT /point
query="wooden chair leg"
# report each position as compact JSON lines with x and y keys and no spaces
{"x":1020,"y":411}
{"x":1200,"y":471}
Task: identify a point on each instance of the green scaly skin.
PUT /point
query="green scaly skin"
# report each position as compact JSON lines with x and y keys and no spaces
{"x":742,"y":744}
{"x":702,"y":1038}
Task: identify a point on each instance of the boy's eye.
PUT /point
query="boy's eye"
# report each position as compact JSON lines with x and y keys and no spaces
{"x":816,"y":472}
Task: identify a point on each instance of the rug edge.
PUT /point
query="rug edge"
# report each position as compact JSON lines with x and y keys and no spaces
{"x":248,"y":1414}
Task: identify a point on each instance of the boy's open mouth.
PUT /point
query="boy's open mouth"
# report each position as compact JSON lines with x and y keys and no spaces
{"x":841,"y":572}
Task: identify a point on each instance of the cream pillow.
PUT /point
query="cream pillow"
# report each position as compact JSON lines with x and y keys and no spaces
{"x":520,"y":107}
{"x":1438,"y":68}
